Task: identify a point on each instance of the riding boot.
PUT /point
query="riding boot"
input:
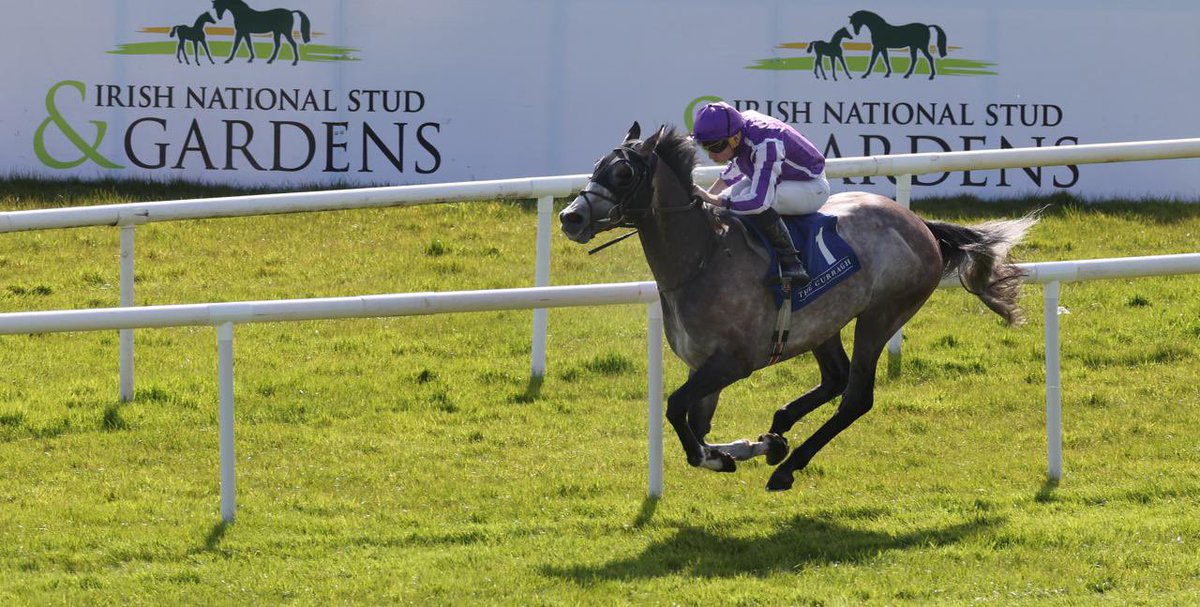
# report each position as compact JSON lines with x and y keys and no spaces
{"x":771,"y":224}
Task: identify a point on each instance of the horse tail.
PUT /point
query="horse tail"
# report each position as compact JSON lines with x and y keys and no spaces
{"x":304,"y":27}
{"x":809,"y":50}
{"x":173,"y":28}
{"x":979,"y":254}
{"x":941,"y":40}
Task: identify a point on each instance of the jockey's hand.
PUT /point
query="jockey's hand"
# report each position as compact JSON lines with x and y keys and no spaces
{"x":716,"y":217}
{"x":704,"y":195}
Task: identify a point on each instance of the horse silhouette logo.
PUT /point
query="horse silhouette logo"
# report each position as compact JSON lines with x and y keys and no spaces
{"x":278,"y":22}
{"x":194,"y":34}
{"x":831,"y":49}
{"x":860,"y":54}
{"x":884,"y":35}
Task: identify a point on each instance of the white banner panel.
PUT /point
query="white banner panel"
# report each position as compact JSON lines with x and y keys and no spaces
{"x":395,"y":92}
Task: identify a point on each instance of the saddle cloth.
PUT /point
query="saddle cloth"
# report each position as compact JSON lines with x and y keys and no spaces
{"x":827,"y":257}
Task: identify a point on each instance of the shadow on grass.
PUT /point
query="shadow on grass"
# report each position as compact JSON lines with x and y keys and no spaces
{"x":212,"y":543}
{"x":1045,"y":495}
{"x":649,"y":505}
{"x":533,"y":390}
{"x":798,"y":543}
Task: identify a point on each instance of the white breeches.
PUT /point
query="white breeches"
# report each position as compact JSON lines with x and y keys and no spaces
{"x":791,"y":197}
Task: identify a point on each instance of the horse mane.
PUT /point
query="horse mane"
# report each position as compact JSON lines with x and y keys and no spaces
{"x":679,"y":152}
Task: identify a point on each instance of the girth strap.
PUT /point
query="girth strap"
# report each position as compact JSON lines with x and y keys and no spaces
{"x":783,"y":323}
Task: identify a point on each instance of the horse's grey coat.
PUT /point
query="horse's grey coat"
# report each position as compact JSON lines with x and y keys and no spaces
{"x":718,"y":317}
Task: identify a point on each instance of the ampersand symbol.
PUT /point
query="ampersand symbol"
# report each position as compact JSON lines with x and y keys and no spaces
{"x":56,"y":118}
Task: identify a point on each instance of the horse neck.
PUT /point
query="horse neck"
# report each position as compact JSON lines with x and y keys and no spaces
{"x":837,"y":38}
{"x":201,"y":20}
{"x":676,"y":241}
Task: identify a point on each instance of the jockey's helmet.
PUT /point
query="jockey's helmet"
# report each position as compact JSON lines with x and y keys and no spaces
{"x":717,"y":120}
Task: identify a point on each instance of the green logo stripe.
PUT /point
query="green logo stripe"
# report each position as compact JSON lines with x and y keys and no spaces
{"x":949,"y":67}
{"x":308,"y":52}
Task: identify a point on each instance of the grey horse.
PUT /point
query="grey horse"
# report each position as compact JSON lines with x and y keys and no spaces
{"x":719,"y":318}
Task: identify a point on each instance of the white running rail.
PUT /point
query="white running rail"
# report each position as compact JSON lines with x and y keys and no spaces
{"x":224,"y":316}
{"x":544,"y":189}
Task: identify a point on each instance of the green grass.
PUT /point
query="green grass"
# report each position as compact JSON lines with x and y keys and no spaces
{"x":411,"y":460}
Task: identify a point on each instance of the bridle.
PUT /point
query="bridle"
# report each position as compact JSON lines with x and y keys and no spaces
{"x":622,"y":215}
{"x":641,"y":168}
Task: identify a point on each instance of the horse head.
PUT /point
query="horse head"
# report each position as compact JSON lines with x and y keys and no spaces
{"x":861,"y":18}
{"x":620,"y":186}
{"x":221,"y":6}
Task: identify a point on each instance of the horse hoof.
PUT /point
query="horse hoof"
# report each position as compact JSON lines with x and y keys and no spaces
{"x":779,"y":482}
{"x":718,"y":461}
{"x":777,"y":448}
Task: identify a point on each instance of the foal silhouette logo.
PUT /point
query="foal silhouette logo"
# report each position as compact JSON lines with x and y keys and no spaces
{"x":883,"y":36}
{"x":278,"y":24}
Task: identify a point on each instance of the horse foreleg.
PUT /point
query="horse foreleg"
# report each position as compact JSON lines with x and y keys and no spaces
{"x":912,"y":61}
{"x":181,"y":50}
{"x":687,"y":411}
{"x":275,"y":53}
{"x":871,"y":63}
{"x":887,"y":62}
{"x":196,"y":52}
{"x":237,"y":41}
{"x":833,"y":66}
{"x":844,"y":68}
{"x":870,"y":336}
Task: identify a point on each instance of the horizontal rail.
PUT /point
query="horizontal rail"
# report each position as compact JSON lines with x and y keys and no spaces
{"x":564,"y":185}
{"x":412,"y":304}
{"x":1096,"y":269}
{"x":366,"y":306}
{"x":1014,"y":158}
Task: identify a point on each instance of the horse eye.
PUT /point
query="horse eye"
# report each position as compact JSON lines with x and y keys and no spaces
{"x":622,"y":175}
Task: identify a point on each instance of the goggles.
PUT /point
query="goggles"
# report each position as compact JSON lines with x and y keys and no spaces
{"x":715,"y":147}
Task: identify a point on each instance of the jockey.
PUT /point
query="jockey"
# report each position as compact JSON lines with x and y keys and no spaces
{"x":772,"y":169}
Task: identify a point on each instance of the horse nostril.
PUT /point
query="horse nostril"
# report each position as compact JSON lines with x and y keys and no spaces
{"x":570,"y":218}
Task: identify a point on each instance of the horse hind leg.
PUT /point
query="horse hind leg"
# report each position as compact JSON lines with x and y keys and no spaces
{"x":835,"y":369}
{"x":871,"y":333}
{"x":295,"y":51}
{"x":932,"y":65}
{"x":180,"y":49}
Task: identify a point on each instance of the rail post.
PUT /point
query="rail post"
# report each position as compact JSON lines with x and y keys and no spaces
{"x":541,"y":278}
{"x":127,"y":222}
{"x":903,"y":196}
{"x":1050,"y":297}
{"x":654,"y":380}
{"x":225,"y":422}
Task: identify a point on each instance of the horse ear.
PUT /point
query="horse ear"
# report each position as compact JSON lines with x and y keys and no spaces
{"x":651,"y":142}
{"x":635,"y":131}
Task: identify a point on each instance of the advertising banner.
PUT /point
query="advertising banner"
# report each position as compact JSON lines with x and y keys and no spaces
{"x":372,"y":92}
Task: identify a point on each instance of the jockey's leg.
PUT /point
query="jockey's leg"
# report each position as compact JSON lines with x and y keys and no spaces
{"x":771,"y":224}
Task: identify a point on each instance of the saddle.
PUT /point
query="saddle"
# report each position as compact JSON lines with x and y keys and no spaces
{"x":828,"y":258}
